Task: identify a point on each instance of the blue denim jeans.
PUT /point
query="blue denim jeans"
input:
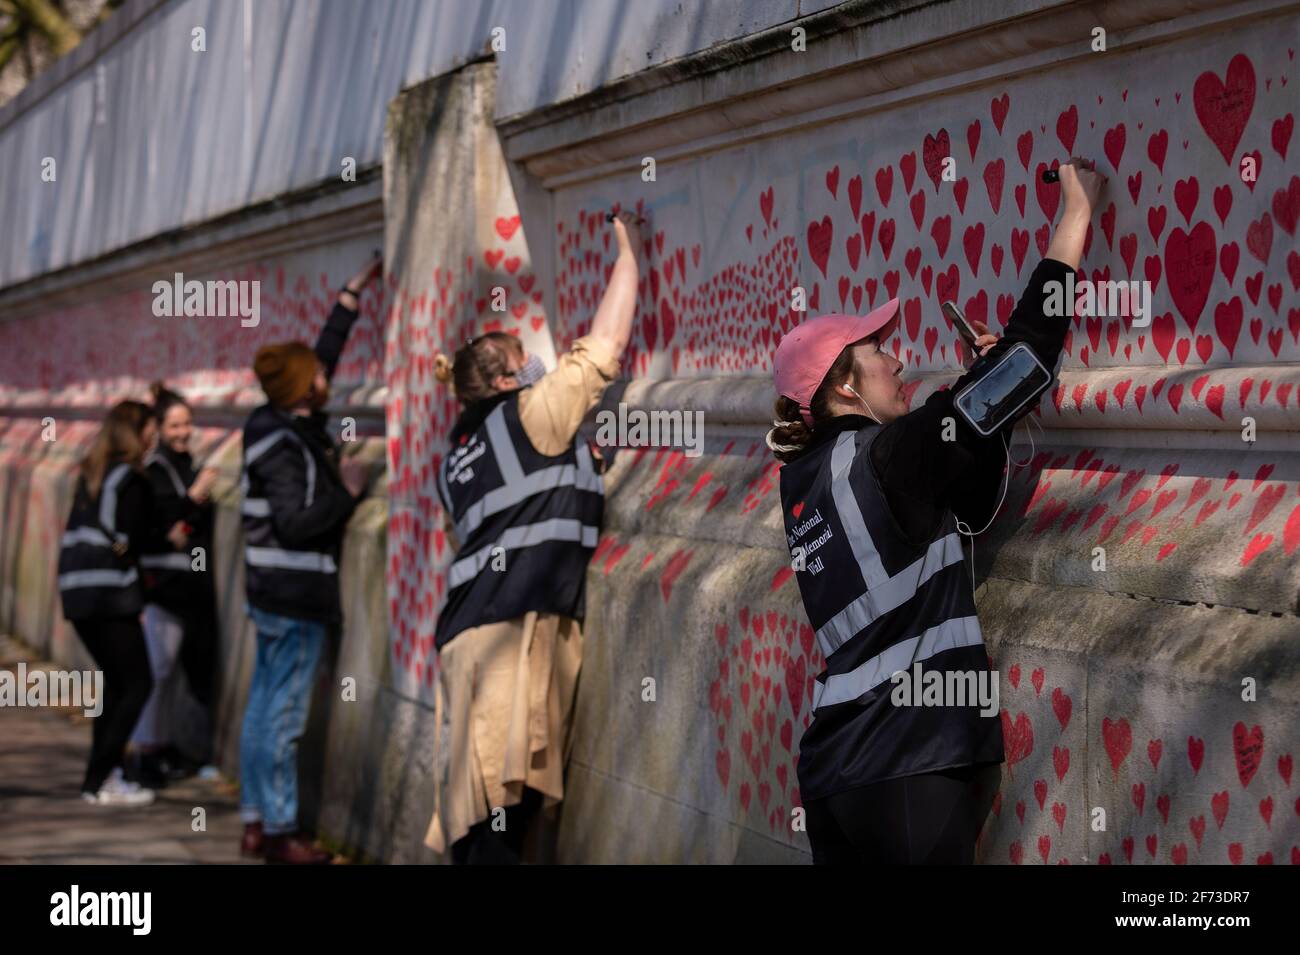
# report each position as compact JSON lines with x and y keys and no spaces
{"x":288,"y":652}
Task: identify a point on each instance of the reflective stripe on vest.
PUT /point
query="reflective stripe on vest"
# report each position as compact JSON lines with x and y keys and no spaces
{"x":518,"y":486}
{"x":864,"y":550}
{"x":880,"y":602}
{"x":261,"y":446}
{"x":514,"y":538}
{"x":290,"y":559}
{"x":500,"y":491}
{"x":108,"y":497}
{"x":255,"y":507}
{"x":167,"y":561}
{"x":86,"y":535}
{"x":96,"y":536}
{"x":74,"y":579}
{"x":260,"y":507}
{"x":108,"y":508}
{"x":93,"y":580}
{"x":172,"y":473}
{"x":502,"y":447}
{"x":949,"y":635}
{"x":891,"y":594}
{"x":443,"y":490}
{"x":884,"y":592}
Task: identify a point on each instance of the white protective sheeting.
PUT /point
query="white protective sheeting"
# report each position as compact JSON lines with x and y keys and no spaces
{"x":151,"y":135}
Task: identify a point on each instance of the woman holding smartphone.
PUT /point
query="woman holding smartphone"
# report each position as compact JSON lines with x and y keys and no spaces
{"x":874,"y":498}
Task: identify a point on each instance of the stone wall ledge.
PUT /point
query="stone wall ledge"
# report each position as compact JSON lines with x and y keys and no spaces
{"x":1195,"y":391}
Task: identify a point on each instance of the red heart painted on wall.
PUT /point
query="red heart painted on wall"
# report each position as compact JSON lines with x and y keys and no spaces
{"x":1224,"y":106}
{"x":1118,"y":739}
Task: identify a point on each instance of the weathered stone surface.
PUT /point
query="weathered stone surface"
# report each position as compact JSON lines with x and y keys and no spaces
{"x":1121,"y":687}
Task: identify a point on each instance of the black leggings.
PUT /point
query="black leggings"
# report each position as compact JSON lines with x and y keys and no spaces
{"x":484,"y":846}
{"x":927,"y":819}
{"x":117,"y":644}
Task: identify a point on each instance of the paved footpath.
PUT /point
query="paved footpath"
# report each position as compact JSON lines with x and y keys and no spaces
{"x":43,"y":818}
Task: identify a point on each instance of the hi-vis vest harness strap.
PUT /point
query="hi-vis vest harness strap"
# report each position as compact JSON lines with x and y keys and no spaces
{"x":93,"y":580}
{"x":261,"y":549}
{"x":527,"y":522}
{"x":174,"y":560}
{"x":878,"y":604}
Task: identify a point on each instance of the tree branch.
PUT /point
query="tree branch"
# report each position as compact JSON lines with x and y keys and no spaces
{"x":46,"y":18}
{"x":8,"y":47}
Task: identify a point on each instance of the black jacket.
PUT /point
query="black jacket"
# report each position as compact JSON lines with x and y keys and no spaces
{"x":95,"y":582}
{"x":170,"y":579}
{"x":295,"y":507}
{"x":885,"y":585}
{"x":924,"y":476}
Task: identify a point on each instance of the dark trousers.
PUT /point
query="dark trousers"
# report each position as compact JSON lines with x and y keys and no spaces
{"x":117,"y":644}
{"x":926,"y":819}
{"x":198,"y":656}
{"x":483,"y":845}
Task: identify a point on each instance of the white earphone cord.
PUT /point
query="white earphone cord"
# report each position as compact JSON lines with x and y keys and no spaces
{"x":1006,"y":480}
{"x":870,"y":414}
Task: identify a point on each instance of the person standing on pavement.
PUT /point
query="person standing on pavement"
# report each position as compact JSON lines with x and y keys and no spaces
{"x":298,"y":496}
{"x":180,"y":597}
{"x":882,"y":495}
{"x":524,"y":499}
{"x":99,"y":585}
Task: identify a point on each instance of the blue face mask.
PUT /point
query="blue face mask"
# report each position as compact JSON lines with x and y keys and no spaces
{"x":531,"y":373}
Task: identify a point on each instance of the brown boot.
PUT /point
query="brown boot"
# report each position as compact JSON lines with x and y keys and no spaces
{"x":295,"y":850}
{"x":253,"y":844}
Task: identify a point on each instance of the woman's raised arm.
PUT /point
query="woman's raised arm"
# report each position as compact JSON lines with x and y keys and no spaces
{"x":613,"y":321}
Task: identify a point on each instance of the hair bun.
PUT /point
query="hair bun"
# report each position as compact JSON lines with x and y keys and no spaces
{"x":442,"y":368}
{"x":157,"y":389}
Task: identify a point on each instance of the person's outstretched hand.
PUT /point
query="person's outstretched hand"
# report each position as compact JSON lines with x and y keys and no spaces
{"x":627,"y":230}
{"x":201,"y":489}
{"x":373,"y":268}
{"x":612,"y":323}
{"x":1081,"y":185}
{"x":355,"y":475}
{"x":350,"y":296}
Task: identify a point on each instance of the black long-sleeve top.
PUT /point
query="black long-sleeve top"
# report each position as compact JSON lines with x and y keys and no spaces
{"x":134,"y":518}
{"x":170,"y":506}
{"x":923,"y":475}
{"x":305,"y":526}
{"x":182,"y":592}
{"x":133,"y":515}
{"x":329,"y":345}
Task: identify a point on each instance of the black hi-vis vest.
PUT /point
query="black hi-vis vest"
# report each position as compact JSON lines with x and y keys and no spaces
{"x":169,"y":572}
{"x":290,"y":581}
{"x":94,"y":582}
{"x":879,"y":604}
{"x":537,"y":515}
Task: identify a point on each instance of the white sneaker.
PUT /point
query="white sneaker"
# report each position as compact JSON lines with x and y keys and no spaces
{"x":117,"y":791}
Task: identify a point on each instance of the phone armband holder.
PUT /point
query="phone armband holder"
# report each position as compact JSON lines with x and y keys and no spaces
{"x":1004,"y":386}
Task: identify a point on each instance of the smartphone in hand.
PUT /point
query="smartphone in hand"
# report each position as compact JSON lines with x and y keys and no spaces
{"x":964,"y":328}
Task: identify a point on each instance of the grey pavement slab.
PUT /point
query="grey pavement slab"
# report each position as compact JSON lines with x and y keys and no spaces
{"x":43,"y":818}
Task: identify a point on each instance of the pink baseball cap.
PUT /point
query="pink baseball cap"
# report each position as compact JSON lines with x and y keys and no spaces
{"x":806,"y":354}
